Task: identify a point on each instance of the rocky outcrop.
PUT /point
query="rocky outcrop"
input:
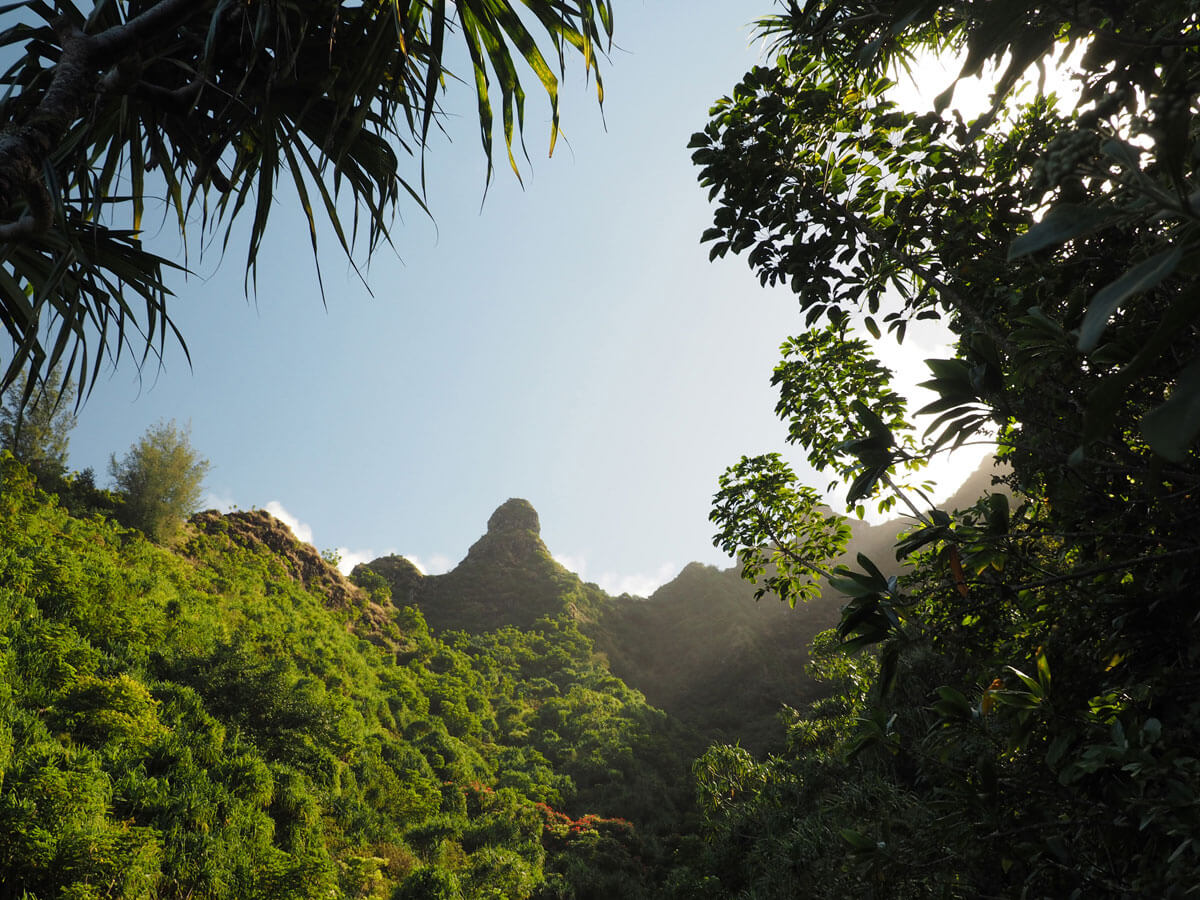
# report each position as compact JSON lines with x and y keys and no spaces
{"x":258,"y":528}
{"x":507,"y":578}
{"x":514,"y":515}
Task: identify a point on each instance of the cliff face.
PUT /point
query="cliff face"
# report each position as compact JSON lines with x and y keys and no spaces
{"x":256,"y":528}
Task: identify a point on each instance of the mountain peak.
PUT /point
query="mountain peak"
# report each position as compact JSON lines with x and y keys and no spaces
{"x":514,"y":515}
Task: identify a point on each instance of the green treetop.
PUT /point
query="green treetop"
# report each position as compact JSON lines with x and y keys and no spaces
{"x":161,"y":477}
{"x":36,"y":422}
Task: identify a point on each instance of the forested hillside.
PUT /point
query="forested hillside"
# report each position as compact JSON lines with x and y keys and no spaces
{"x":234,"y":719}
{"x":1006,"y":702}
{"x":701,"y":647}
{"x":704,"y":649}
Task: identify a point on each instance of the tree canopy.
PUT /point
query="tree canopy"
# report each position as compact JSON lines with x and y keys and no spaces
{"x":1024,"y":723}
{"x":213,"y":105}
{"x":161,"y":478}
{"x":35,"y":425}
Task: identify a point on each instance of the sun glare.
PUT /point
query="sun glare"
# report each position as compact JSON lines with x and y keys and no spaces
{"x":916,"y":90}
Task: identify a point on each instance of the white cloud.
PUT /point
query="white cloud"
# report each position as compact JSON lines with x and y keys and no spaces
{"x":351,"y":558}
{"x":302,"y":531}
{"x":642,"y":585}
{"x":639,"y":585}
{"x":576,"y":564}
{"x":438,"y":564}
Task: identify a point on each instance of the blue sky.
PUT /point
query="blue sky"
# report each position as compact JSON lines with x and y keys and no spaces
{"x":567,"y":342}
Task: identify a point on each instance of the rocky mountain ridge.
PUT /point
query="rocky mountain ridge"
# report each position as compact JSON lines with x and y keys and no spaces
{"x":700,"y":647}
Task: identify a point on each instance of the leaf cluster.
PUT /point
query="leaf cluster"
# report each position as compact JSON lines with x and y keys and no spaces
{"x":116,"y":108}
{"x":200,"y":723}
{"x":1029,"y":728}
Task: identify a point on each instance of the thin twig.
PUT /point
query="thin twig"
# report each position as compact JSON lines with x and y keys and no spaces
{"x":1100,"y":570}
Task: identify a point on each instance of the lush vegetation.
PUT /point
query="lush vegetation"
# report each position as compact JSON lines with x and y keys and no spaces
{"x":1015,"y":714}
{"x":1021,"y":717}
{"x":36,"y":423}
{"x":160,"y":480}
{"x":202,"y":723}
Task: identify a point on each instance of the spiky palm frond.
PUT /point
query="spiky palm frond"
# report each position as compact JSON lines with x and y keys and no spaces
{"x":214,"y":103}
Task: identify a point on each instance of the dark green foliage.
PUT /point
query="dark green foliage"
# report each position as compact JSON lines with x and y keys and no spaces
{"x":1024,"y":721}
{"x":374,"y":584}
{"x":36,"y":420}
{"x":779,"y":529}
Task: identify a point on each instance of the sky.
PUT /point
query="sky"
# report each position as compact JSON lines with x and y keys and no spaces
{"x":567,"y":341}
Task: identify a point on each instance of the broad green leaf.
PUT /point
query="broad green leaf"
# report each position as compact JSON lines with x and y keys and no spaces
{"x":860,"y":842}
{"x":1031,"y":683}
{"x":877,"y":578}
{"x":1018,"y":699}
{"x":1123,"y":152}
{"x":1043,"y":670}
{"x":952,"y":704}
{"x":1174,"y":426}
{"x":1141,"y":277}
{"x":1063,"y":223}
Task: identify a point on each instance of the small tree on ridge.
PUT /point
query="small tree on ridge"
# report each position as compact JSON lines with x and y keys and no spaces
{"x":161,"y":477}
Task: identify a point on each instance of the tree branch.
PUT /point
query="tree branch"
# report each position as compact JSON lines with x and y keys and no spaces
{"x":1101,"y":570}
{"x":166,"y":15}
{"x":39,"y":218}
{"x":25,"y":147}
{"x":785,"y":548}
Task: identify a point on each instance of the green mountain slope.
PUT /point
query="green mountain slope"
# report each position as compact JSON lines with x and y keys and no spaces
{"x":236,"y":720}
{"x":701,"y":647}
{"x":507,"y":578}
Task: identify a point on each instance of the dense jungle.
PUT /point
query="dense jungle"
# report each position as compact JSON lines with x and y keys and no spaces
{"x":994,"y":696}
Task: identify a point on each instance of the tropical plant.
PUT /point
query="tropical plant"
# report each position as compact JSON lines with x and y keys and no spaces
{"x":160,"y":478}
{"x":1030,"y":724}
{"x":212,"y":104}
